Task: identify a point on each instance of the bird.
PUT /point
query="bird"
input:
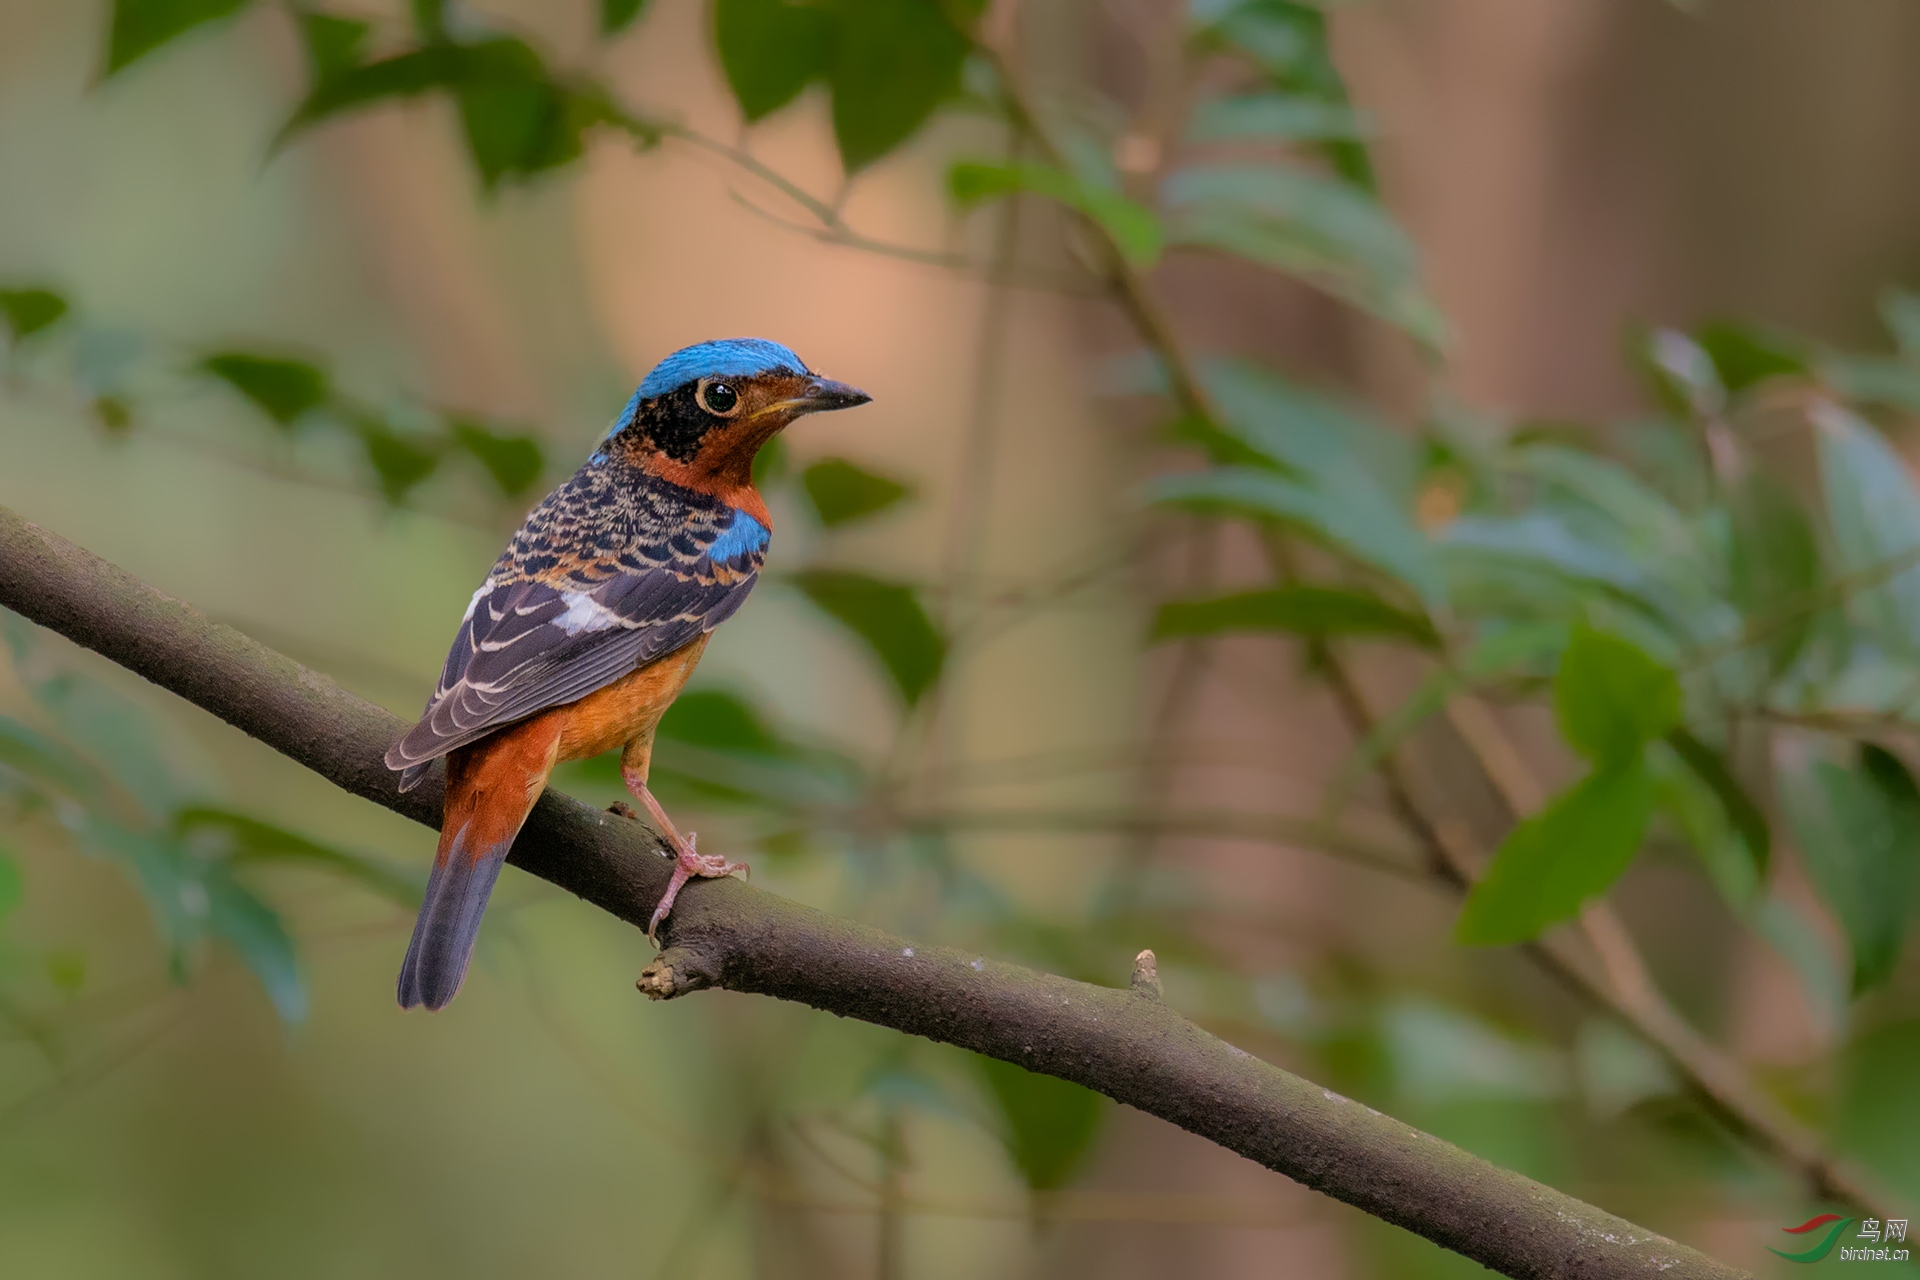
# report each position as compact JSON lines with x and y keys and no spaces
{"x":591,"y":621}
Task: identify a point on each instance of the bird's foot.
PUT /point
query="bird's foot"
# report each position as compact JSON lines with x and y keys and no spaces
{"x":687,"y":864}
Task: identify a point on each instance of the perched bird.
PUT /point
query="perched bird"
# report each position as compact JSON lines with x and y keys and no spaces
{"x":592,"y":620}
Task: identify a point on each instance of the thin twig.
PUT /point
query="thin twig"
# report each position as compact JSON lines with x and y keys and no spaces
{"x":828,"y":225}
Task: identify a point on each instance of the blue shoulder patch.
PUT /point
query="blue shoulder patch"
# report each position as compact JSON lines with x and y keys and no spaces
{"x":744,"y":535}
{"x":738,"y":357}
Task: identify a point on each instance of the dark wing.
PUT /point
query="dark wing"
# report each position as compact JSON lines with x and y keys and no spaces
{"x":527,"y":645}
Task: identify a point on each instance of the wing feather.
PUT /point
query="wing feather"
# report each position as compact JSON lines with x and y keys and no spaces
{"x":527,"y":646}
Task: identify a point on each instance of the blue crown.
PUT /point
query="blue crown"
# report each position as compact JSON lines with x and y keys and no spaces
{"x":729,"y":357}
{"x":726,"y":357}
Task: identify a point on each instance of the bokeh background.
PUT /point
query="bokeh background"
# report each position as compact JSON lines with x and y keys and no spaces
{"x":946,"y":711}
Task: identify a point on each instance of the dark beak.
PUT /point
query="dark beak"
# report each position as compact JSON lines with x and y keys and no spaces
{"x":824,"y":394}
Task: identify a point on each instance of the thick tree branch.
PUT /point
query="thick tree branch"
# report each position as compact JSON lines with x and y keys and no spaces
{"x":1126,"y":1044}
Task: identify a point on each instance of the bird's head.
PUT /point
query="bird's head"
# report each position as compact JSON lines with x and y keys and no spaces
{"x":702,"y":414}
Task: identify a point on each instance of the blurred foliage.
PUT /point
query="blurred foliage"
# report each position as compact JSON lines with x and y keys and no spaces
{"x":1723,"y":638}
{"x":94,"y":768}
{"x":1133,"y":227}
{"x":843,"y":492}
{"x":1050,"y":1124}
{"x":401,"y":447}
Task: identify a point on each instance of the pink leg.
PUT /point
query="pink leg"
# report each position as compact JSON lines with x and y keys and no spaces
{"x":687,"y":863}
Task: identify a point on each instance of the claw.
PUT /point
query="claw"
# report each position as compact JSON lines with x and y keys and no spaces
{"x":686,"y":865}
{"x":688,"y":861}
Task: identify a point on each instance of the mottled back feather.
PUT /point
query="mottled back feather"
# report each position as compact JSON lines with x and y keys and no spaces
{"x":616,"y":568}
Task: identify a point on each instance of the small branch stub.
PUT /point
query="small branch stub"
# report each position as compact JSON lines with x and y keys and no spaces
{"x":657,"y":980}
{"x":1146,"y":975}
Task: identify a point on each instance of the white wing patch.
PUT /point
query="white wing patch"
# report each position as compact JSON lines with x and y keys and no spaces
{"x":474,"y":603}
{"x":584,"y":613}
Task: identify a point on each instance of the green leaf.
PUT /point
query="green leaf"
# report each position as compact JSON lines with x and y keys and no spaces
{"x":894,"y":62}
{"x":119,"y":737}
{"x":1134,"y":228}
{"x":399,"y":461}
{"x":403,"y":75}
{"x":46,"y":760}
{"x":1734,"y":865}
{"x":112,"y":413}
{"x":1875,"y":518}
{"x":1645,"y":523}
{"x":1342,"y":447}
{"x":191,"y":896}
{"x":719,"y":721}
{"x":12,"y":885}
{"x":1048,"y":1124}
{"x":889,"y":618}
{"x":519,"y":122}
{"x":1887,"y":380}
{"x":772,"y":463}
{"x":1613,"y":513}
{"x":1276,"y":117}
{"x":333,"y":43}
{"x":170,"y":878}
{"x":1524,"y":647}
{"x":429,"y":19}
{"x":254,"y":931}
{"x":1555,"y":861}
{"x":1901,"y":312}
{"x":1289,"y":43}
{"x":67,"y":971}
{"x":247,"y":839}
{"x":1745,"y":355}
{"x":1611,"y":699}
{"x":1303,"y":610}
{"x":1743,"y":815}
{"x":1391,"y":546}
{"x":21,"y":638}
{"x":617,"y":15}
{"x":141,"y":26}
{"x":1326,"y":232}
{"x":770,"y":50}
{"x":1773,"y":563}
{"x":842,"y":491}
{"x":515,"y":462}
{"x":1859,"y":835}
{"x":1878,"y":1108}
{"x":1680,"y":373}
{"x":1284,"y":38}
{"x":29,"y":311}
{"x":283,"y":389}
{"x":1537,"y":562}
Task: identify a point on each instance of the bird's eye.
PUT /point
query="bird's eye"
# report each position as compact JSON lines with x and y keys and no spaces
{"x":719,"y":398}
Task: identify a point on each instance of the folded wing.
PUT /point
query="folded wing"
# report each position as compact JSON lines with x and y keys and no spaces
{"x":527,"y":645}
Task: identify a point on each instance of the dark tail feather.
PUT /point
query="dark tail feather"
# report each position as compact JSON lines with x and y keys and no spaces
{"x":457,"y":894}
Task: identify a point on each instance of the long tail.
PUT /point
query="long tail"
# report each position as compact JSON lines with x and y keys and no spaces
{"x":491,"y":787}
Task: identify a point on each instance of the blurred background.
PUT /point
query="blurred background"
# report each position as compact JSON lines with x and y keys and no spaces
{"x":1319,"y":459}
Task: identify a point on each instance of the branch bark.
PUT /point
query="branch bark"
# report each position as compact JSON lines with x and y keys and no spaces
{"x":1127,"y":1043}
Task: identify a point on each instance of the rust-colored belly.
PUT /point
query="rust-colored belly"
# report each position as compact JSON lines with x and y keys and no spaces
{"x":627,"y":710}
